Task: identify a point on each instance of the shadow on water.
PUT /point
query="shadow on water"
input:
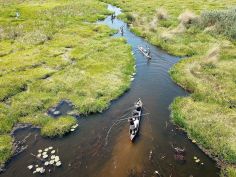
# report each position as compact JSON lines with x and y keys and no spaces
{"x":84,"y":152}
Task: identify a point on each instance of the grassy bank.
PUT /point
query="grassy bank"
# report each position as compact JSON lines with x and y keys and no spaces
{"x":204,"y":33}
{"x":51,"y":51}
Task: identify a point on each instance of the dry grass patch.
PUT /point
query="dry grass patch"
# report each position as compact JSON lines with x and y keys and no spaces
{"x":153,"y":25}
{"x":213,"y":54}
{"x":187,"y":17}
{"x":162,"y":14}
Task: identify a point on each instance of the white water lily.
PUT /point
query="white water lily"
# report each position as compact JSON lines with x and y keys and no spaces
{"x":34,"y":172}
{"x":46,"y":149}
{"x":30,"y":167}
{"x":53,"y":157}
{"x":50,"y":148}
{"x":74,"y":126}
{"x":46,"y":163}
{"x":53,"y":151}
{"x":45,"y":156}
{"x":42,"y":170}
{"x":72,"y":129}
{"x":39,"y":155}
{"x":44,"y":153}
{"x":56,"y":112}
{"x":58,"y":163}
{"x":38,"y":169}
{"x":51,"y":162}
{"x":40,"y":150}
{"x":56,"y":158}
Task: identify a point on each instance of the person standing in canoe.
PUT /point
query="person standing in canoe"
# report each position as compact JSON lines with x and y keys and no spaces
{"x":122,"y":30}
{"x":148,"y":51}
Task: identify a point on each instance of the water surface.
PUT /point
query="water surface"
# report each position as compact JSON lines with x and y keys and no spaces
{"x":89,"y":152}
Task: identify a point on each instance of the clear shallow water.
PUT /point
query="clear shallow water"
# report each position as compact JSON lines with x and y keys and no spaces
{"x":86,"y":153}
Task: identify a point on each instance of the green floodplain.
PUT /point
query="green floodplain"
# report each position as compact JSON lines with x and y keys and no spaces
{"x":52,"y":51}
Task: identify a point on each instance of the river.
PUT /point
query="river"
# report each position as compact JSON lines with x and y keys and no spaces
{"x":91,"y":152}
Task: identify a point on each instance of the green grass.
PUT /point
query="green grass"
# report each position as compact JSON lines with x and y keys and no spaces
{"x":229,"y":172}
{"x":209,"y":124}
{"x":58,"y":127}
{"x":54,"y":51}
{"x":5,"y":147}
{"x":204,"y":33}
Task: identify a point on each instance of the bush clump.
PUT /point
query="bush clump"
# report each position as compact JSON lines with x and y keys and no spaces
{"x":162,"y":13}
{"x":187,"y":17}
{"x":130,"y":17}
{"x":224,"y":21}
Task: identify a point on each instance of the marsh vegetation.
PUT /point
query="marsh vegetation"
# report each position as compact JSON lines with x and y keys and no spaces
{"x":51,"y":51}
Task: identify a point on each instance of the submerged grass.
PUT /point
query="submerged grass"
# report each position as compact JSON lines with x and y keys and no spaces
{"x":204,"y":33}
{"x":52,"y":51}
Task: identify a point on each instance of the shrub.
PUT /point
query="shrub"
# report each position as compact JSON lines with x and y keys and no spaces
{"x":187,"y":17}
{"x":153,"y":25}
{"x":130,"y":17}
{"x":224,"y":21}
{"x":162,"y":13}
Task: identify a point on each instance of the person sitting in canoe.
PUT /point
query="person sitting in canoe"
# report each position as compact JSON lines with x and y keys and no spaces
{"x":143,"y":49}
{"x":139,"y":104}
{"x":135,"y":113}
{"x":132,"y":125}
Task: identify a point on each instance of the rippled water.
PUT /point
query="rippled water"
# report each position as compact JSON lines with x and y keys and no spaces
{"x":84,"y":153}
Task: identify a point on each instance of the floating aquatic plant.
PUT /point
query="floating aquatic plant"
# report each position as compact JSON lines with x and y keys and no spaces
{"x":47,"y":161}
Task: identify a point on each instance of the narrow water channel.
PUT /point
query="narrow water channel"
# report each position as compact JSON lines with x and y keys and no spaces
{"x":89,"y":152}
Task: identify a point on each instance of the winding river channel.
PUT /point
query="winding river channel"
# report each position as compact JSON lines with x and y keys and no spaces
{"x":92,"y":152}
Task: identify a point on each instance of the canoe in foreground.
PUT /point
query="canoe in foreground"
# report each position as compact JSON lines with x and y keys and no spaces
{"x":135,"y":119}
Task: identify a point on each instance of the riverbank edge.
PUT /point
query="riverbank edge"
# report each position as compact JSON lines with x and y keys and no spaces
{"x":224,"y":166}
{"x":178,"y":120}
{"x":16,"y":147}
